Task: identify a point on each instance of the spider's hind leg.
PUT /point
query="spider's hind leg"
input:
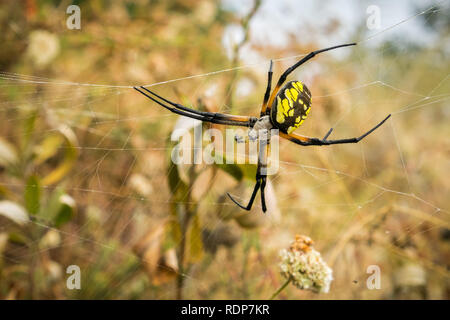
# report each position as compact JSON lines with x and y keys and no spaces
{"x":252,"y":199}
{"x":260,"y":184}
{"x":263,"y":198}
{"x":261,"y":170}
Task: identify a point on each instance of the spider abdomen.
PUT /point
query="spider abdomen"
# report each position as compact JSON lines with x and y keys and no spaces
{"x":291,"y":106}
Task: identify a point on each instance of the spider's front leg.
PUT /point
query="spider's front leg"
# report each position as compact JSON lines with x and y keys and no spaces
{"x":213,"y":117}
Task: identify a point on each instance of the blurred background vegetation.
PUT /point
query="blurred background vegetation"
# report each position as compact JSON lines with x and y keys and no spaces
{"x":90,"y":164}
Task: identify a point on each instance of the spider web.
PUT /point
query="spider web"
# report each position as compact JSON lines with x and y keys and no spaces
{"x":322,"y":170}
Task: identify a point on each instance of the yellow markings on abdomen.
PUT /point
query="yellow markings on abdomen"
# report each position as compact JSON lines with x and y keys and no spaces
{"x":291,"y":94}
{"x":286,"y":105}
{"x":280,"y":115}
{"x":292,"y":106}
{"x":298,"y":85}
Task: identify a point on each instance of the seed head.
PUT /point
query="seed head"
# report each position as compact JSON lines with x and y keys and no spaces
{"x":305,"y":267}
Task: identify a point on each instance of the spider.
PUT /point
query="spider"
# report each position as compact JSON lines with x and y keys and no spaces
{"x":283,"y":108}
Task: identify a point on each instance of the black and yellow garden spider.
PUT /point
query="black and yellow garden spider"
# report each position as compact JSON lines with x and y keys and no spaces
{"x":284,"y":109}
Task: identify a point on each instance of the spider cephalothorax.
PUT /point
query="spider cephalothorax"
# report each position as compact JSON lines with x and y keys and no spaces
{"x":285,"y":108}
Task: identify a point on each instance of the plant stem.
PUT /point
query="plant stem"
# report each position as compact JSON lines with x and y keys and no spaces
{"x":245,"y":22}
{"x":281,"y":288}
{"x":189,"y":213}
{"x":180,"y":278}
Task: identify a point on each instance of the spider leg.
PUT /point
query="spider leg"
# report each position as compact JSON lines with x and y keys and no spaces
{"x":252,"y":198}
{"x":218,"y":118}
{"x":260,"y":179}
{"x":296,"y":65}
{"x":263,"y":198}
{"x":174,"y":110}
{"x":264,"y":147}
{"x":267,"y":94}
{"x":305,"y":141}
{"x":328,"y":134}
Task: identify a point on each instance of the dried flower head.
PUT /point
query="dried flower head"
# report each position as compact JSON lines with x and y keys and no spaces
{"x":304,"y":266}
{"x":43,"y":47}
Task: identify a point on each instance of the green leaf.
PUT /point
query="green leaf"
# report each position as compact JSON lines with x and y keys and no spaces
{"x":70,"y":156}
{"x":66,"y":210}
{"x":237,"y":171}
{"x":172,"y":234}
{"x":32,"y":195}
{"x":4,"y":191}
{"x":60,"y":208}
{"x":17,"y":237}
{"x":233,"y":170}
{"x":48,"y":148}
{"x":195,"y":240}
{"x":249,"y":170}
{"x":28,"y":128}
{"x":53,"y":204}
{"x":177,"y":186}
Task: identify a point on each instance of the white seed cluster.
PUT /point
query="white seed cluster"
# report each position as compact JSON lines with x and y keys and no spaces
{"x":306,"y":268}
